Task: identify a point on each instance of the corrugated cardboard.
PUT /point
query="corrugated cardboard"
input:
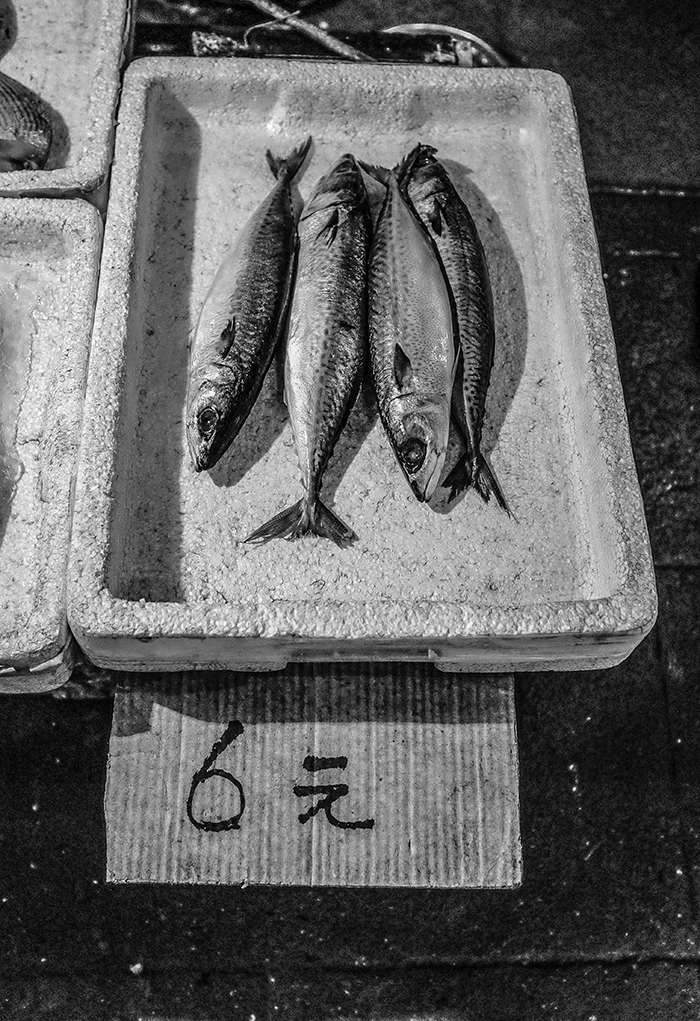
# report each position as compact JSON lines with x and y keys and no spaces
{"x":333,"y":776}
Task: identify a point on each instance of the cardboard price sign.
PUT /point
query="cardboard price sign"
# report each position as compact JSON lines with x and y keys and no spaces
{"x":346,"y":776}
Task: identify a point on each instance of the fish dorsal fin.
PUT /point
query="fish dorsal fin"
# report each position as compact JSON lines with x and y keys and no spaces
{"x":330,"y":228}
{"x":403,"y":370}
{"x":226,"y":338}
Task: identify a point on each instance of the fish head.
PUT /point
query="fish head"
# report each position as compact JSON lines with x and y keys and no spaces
{"x":216,"y":411}
{"x":422,"y":448}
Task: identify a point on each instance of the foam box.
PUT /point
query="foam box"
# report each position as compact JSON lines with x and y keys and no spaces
{"x":160,"y":576}
{"x":70,"y":53}
{"x":49,"y":264}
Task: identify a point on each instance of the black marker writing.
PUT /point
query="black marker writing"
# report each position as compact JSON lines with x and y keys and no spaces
{"x":312,"y":763}
{"x":234,"y":730}
{"x":331,"y":793}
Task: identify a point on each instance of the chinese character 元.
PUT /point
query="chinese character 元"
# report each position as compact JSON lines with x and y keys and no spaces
{"x":331,"y":792}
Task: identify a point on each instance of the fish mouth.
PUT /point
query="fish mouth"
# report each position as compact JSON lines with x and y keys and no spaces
{"x":423,"y":493}
{"x":198,"y":458}
{"x":206,"y":456}
{"x":435,"y":477}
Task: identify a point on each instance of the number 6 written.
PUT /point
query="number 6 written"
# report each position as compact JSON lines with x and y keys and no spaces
{"x":234,"y":730}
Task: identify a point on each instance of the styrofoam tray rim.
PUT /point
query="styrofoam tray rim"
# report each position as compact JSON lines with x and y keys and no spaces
{"x":32,"y":644}
{"x":93,"y":611}
{"x":50,"y":671}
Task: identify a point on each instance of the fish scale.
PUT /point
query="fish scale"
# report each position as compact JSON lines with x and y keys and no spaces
{"x":326,"y":342}
{"x":412,"y":343}
{"x":451,"y":227}
{"x":411,"y":286}
{"x":461,"y":257}
{"x":242,"y":319}
{"x":264,"y":263}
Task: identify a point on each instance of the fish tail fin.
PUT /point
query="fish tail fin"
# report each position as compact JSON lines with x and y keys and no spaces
{"x":484,"y":481}
{"x":307,"y":517}
{"x":329,"y":525}
{"x":289,"y":165}
{"x":460,"y":478}
{"x":380,"y":174}
{"x":280,"y":526}
{"x":403,"y":168}
{"x":476,"y":473}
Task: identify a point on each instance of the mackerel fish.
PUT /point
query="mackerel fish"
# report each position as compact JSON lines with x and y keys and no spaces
{"x":242,"y":319}
{"x":411,"y":338}
{"x":326,"y":343}
{"x":453,"y":231}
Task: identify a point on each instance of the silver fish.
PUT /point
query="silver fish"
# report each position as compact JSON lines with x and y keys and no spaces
{"x":411,"y":338}
{"x":326,"y":342}
{"x":453,"y":231}
{"x":242,"y":319}
{"x":25,"y":128}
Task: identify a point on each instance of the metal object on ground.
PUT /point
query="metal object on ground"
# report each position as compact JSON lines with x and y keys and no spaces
{"x":470,"y":49}
{"x":209,"y":29}
{"x":326,"y":40}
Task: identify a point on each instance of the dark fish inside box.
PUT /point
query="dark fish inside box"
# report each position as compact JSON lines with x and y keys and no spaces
{"x":407,"y":296}
{"x":25,"y":128}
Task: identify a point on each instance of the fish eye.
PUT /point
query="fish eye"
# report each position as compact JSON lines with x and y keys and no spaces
{"x":206,"y":421}
{"x":413,"y":454}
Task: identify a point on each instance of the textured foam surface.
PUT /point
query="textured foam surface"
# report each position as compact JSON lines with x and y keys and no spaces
{"x":568,"y":581}
{"x":49,"y":257}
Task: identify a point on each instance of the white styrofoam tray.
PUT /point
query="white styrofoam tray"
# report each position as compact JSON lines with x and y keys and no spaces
{"x":49,"y":261}
{"x":159,"y":575}
{"x":70,"y":53}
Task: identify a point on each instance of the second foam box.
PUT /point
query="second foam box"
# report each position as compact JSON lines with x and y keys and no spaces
{"x":161,"y":575}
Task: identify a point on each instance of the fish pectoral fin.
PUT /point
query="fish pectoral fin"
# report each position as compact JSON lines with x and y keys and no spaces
{"x":330,"y":228}
{"x":226,"y":338}
{"x":434,"y":215}
{"x":403,"y":370}
{"x":318,"y":204}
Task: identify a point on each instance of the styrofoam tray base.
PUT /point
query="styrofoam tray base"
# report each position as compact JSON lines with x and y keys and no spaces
{"x":161,"y":577}
{"x":49,"y":260}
